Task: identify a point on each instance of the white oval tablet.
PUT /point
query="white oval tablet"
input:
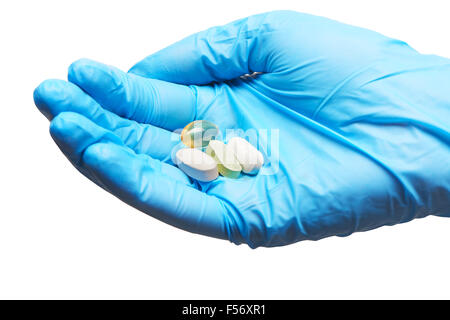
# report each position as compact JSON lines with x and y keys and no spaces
{"x":250,"y":158}
{"x":196,"y":164}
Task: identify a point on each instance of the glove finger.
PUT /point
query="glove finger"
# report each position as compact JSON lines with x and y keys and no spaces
{"x":55,"y":96}
{"x":163,"y":104}
{"x":144,"y":184}
{"x":216,"y":54}
{"x":74,"y":133}
{"x":151,"y":186}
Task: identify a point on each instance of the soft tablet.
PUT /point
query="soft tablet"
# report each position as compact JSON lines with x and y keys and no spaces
{"x":196,"y":164}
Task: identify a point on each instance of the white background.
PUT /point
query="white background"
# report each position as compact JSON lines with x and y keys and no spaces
{"x":63,"y":237}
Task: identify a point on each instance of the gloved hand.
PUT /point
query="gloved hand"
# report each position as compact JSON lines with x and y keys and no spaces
{"x":363,"y":128}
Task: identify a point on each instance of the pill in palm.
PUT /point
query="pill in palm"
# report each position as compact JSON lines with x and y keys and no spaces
{"x":227,"y":163}
{"x":250,"y":159}
{"x":196,"y":164}
{"x":197,"y":134}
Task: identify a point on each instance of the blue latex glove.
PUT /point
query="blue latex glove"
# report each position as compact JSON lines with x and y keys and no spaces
{"x":363,"y":119}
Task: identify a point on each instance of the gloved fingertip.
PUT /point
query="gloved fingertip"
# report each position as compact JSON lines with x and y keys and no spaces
{"x":112,"y":164}
{"x":99,"y":154}
{"x":150,"y":67}
{"x":64,"y":123}
{"x":73,"y":133}
{"x":80,"y":67}
{"x":94,"y":77}
{"x":48,"y":94}
{"x":138,"y":70}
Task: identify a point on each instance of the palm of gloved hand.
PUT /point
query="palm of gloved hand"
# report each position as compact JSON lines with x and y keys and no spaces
{"x":336,"y":95}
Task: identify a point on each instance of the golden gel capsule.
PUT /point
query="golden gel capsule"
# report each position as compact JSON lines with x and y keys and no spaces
{"x":227,"y":164}
{"x":199,"y":133}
